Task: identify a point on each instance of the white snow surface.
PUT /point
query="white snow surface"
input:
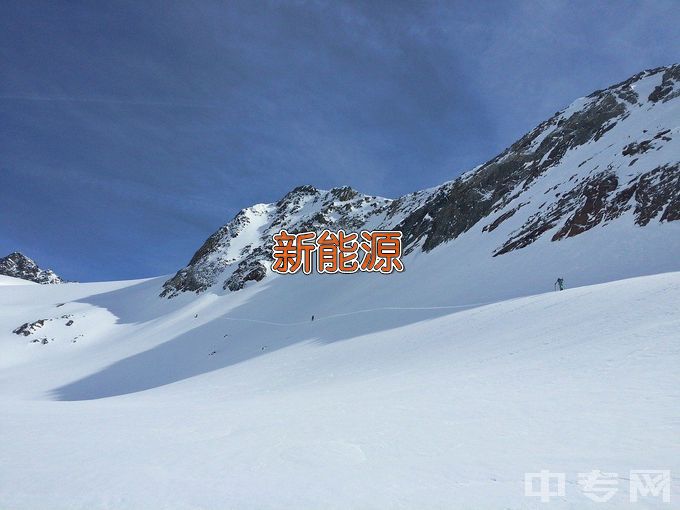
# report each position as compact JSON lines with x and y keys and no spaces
{"x":10,"y":280}
{"x":435,"y":388}
{"x":406,"y":391}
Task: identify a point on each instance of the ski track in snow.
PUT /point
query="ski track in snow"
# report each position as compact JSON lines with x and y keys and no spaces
{"x":357,"y":312}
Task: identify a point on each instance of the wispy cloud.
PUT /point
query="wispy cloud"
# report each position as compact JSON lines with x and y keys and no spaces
{"x":112,"y":101}
{"x":154,"y":122}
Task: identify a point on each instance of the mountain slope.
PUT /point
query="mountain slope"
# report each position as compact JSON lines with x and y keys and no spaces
{"x":447,"y":409}
{"x":611,"y":157}
{"x":435,"y":387}
{"x":239,"y":251}
{"x":605,"y":154}
{"x":18,"y":265}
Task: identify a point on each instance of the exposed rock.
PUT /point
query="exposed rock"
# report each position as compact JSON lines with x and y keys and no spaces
{"x":456,"y":209}
{"x":657,"y":191}
{"x":594,"y":194}
{"x":581,"y":168}
{"x":29,"y":328}
{"x":506,"y":215}
{"x":18,"y":265}
{"x":637,"y":148}
{"x":670,"y":85}
{"x":248,"y":270}
{"x":227,"y":259}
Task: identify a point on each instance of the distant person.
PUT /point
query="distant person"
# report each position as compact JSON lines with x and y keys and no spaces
{"x":312,"y":318}
{"x":559,"y":284}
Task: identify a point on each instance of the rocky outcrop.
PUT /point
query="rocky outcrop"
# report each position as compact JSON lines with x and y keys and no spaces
{"x":18,"y":265}
{"x":601,"y":199}
{"x":657,"y":192}
{"x":669,"y":87}
{"x":467,"y":200}
{"x":28,"y":328}
{"x":252,"y":269}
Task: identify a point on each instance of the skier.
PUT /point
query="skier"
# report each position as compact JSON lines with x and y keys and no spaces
{"x":559,"y":283}
{"x":312,"y":318}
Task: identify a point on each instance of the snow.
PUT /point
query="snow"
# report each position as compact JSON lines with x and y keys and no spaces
{"x":576,"y":106}
{"x":642,"y":122}
{"x":646,"y":86}
{"x":257,"y":217}
{"x":9,"y":280}
{"x":541,"y":197}
{"x":389,"y":399}
{"x":437,"y":387}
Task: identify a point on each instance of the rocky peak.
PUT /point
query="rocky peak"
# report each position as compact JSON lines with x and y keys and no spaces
{"x":240,"y":251}
{"x":344,"y":193}
{"x":611,"y":155}
{"x":18,"y":265}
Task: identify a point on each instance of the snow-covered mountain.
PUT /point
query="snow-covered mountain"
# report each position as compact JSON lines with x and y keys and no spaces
{"x":20,"y":266}
{"x":436,"y":387}
{"x":612,"y":157}
{"x":240,"y":401}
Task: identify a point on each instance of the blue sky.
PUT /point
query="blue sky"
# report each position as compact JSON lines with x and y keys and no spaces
{"x":130,"y":131}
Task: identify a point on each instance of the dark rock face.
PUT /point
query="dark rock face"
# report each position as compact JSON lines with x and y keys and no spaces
{"x":249,"y":270}
{"x":19,"y":266}
{"x":466,"y":201}
{"x":592,"y":206}
{"x":344,"y":194}
{"x":29,"y":328}
{"x":670,"y":85}
{"x":240,"y":251}
{"x":506,"y":215}
{"x":657,"y":191}
{"x":612,"y":152}
{"x":643,"y":146}
{"x":469,"y":200}
{"x":601,"y":199}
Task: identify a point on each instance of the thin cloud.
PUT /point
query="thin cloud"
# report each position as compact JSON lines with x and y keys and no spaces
{"x":109,"y":101}
{"x":159,"y":121}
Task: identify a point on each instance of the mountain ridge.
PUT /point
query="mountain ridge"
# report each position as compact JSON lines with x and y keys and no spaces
{"x":607,"y":155}
{"x":18,"y":265}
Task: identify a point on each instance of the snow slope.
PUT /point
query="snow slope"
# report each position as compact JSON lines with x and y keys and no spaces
{"x":609,"y":161}
{"x":10,"y":280}
{"x":154,"y":407}
{"x":434,"y":388}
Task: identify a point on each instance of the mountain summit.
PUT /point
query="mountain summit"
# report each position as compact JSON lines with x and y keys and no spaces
{"x":18,"y":265}
{"x":609,"y":158}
